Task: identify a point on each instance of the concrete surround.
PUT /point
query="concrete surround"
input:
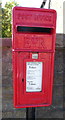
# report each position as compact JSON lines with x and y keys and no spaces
{"x":53,"y":111}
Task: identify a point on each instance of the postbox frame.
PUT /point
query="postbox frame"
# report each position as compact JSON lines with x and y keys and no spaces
{"x":17,"y":58}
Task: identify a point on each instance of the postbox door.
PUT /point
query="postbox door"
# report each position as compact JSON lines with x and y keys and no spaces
{"x":33,"y":78}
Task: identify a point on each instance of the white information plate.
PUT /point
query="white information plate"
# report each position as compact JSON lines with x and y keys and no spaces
{"x":33,"y":76}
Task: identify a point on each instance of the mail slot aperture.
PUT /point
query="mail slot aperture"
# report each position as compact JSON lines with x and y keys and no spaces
{"x":34,"y":29}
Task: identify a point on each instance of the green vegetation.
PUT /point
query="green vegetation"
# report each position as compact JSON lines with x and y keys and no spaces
{"x":7,"y":19}
{"x":0,"y":20}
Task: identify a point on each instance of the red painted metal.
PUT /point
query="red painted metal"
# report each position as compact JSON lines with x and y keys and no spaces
{"x":24,"y":44}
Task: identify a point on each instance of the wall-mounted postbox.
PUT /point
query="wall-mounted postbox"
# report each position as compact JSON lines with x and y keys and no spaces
{"x":33,"y":46}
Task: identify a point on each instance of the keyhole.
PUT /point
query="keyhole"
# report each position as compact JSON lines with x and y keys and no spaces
{"x":22,"y":80}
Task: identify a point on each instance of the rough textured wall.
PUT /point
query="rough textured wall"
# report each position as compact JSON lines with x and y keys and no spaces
{"x":56,"y":109}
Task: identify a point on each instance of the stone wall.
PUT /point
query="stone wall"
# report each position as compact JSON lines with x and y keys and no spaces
{"x":56,"y":109}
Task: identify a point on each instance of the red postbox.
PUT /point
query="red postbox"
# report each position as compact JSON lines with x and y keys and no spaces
{"x":33,"y":46}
